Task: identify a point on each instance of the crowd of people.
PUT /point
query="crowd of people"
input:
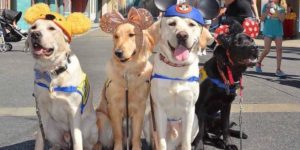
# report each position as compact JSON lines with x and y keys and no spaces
{"x":274,"y":13}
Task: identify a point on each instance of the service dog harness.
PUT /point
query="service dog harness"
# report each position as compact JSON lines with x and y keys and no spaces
{"x":82,"y":89}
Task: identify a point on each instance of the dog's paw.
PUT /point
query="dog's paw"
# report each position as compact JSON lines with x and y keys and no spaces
{"x":231,"y":147}
{"x":199,"y":146}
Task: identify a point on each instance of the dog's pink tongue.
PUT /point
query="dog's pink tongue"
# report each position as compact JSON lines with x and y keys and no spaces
{"x":39,"y":51}
{"x":181,"y":53}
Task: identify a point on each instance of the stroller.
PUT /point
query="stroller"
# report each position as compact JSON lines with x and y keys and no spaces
{"x":9,"y":32}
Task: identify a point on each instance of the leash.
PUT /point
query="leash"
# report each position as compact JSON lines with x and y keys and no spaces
{"x":240,"y":115}
{"x":155,"y":135}
{"x":37,"y":110}
{"x":127,"y":111}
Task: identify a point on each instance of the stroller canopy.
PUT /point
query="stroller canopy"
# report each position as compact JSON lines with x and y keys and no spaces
{"x":11,"y":15}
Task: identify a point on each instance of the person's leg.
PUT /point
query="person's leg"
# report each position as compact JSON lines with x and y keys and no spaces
{"x":267,"y":45}
{"x":278,"y":42}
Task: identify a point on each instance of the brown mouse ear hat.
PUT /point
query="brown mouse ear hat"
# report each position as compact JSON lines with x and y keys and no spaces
{"x":140,"y":18}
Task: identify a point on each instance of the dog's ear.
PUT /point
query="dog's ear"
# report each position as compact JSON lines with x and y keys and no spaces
{"x":110,"y":21}
{"x":224,"y":40}
{"x":205,"y":38}
{"x":140,"y":17}
{"x":234,"y":26}
{"x":154,"y":31}
{"x":220,"y":55}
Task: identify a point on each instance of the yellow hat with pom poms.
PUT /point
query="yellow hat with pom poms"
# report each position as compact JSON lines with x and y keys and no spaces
{"x":75,"y":23}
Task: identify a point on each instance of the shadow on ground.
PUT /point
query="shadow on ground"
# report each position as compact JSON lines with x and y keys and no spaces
{"x":290,"y":80}
{"x":26,"y":145}
{"x":29,"y":145}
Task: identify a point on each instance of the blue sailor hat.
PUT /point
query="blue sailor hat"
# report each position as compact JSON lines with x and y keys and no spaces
{"x":185,"y":11}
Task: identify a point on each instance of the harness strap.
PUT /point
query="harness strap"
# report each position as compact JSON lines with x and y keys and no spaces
{"x":217,"y":82}
{"x":230,"y":76}
{"x":83,"y":90}
{"x":190,"y":79}
{"x":220,"y":84}
{"x":229,"y":58}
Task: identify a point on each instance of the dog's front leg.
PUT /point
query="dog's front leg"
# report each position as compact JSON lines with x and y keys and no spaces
{"x":225,"y":116}
{"x":39,"y":142}
{"x":187,"y":126}
{"x":161,"y":125}
{"x":116,"y":123}
{"x":75,"y":124}
{"x":137,"y":122}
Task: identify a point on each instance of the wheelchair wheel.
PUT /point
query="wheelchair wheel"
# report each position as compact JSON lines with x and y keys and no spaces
{"x":8,"y":46}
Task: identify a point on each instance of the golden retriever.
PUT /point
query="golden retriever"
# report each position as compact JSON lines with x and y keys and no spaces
{"x":130,"y":69}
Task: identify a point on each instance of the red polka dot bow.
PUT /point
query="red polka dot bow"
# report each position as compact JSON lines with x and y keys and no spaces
{"x":251,"y":28}
{"x":223,"y":29}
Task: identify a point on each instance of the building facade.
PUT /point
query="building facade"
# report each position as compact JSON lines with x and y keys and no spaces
{"x":123,"y":6}
{"x":65,"y":7}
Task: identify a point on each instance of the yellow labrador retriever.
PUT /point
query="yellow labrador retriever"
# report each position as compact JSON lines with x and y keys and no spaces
{"x":61,"y":89}
{"x":175,"y":77}
{"x":130,"y":69}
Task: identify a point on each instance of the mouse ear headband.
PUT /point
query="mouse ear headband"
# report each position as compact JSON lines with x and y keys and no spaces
{"x":208,"y":8}
{"x":75,"y":23}
{"x":140,"y":18}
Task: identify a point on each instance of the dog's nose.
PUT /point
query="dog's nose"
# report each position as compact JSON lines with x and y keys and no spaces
{"x":36,"y":34}
{"x":119,"y":53}
{"x":182,"y":36}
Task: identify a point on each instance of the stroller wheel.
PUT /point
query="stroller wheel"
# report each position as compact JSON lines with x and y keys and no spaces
{"x":2,"y":48}
{"x":8,"y":47}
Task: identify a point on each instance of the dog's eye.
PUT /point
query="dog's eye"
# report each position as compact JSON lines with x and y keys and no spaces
{"x":116,"y":37}
{"x":192,"y":24}
{"x":33,"y":27}
{"x":51,"y":28}
{"x":131,"y":35}
{"x":172,"y":23}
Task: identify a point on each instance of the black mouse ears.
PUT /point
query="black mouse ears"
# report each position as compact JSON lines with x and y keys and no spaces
{"x":208,"y":8}
{"x":162,"y":5}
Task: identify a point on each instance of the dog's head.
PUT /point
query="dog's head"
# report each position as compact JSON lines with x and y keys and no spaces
{"x":178,"y":33}
{"x":236,"y":47}
{"x":50,"y":33}
{"x":128,"y":35}
{"x":46,"y":40}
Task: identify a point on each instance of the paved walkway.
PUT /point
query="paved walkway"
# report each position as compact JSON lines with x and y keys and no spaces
{"x":271,"y":105}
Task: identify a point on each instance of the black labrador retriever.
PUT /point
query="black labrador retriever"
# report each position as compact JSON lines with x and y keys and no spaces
{"x":221,"y":76}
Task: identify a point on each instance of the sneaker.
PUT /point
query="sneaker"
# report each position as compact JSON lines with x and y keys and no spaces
{"x":258,"y":68}
{"x":280,"y":73}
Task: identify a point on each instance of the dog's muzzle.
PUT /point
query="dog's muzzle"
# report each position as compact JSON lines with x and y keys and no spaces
{"x":37,"y":49}
{"x":119,"y":53}
{"x":182,"y":36}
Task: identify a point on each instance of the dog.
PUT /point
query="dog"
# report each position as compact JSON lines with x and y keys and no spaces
{"x":206,"y":39}
{"x":61,"y":89}
{"x":174,"y":81}
{"x":129,"y":69}
{"x":221,"y":77}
